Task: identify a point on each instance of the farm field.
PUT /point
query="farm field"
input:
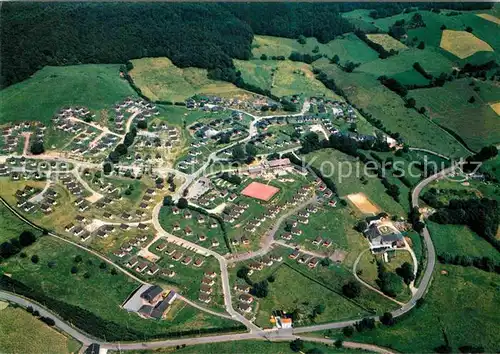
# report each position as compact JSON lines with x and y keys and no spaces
{"x":96,"y":87}
{"x":373,"y":188}
{"x":386,"y":41}
{"x":287,"y":295}
{"x":348,"y":47}
{"x":460,"y":240}
{"x":52,"y":278}
{"x":449,"y":106}
{"x":463,"y":44}
{"x":367,"y":93}
{"x":159,"y":79}
{"x":443,"y":311}
{"x":283,"y":78}
{"x":21,"y":332}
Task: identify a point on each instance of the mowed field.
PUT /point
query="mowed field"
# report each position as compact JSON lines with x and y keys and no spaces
{"x":348,"y":47}
{"x":96,"y":87}
{"x":21,"y":332}
{"x":463,"y":44}
{"x":386,"y":41}
{"x":476,"y":123}
{"x":159,"y":79}
{"x":283,"y":78}
{"x":447,"y":309}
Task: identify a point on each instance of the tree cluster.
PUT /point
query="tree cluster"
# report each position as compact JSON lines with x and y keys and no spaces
{"x":484,"y":263}
{"x":305,"y":58}
{"x":15,"y":245}
{"x":481,"y":215}
{"x":230,"y":177}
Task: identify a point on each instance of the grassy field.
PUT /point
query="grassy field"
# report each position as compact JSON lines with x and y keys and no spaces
{"x":460,"y":240}
{"x":386,"y":41}
{"x":97,"y":87}
{"x":21,"y":332}
{"x":448,"y":309}
{"x":52,"y":276}
{"x":348,"y":47}
{"x":159,"y":79}
{"x":304,"y":294}
{"x":353,"y":184}
{"x":366,"y":92}
{"x":463,"y":44}
{"x":476,"y":123}
{"x":250,"y":347}
{"x":283,"y":78}
{"x":11,"y":226}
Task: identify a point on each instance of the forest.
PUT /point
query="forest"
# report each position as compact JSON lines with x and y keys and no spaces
{"x":204,"y":35}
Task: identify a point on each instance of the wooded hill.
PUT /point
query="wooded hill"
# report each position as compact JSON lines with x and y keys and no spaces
{"x":205,"y":35}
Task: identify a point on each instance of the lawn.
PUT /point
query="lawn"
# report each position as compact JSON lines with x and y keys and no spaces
{"x":96,"y":87}
{"x":448,"y":310}
{"x":460,"y":240}
{"x":291,"y":291}
{"x":449,"y":106}
{"x":52,"y":277}
{"x":21,"y":332}
{"x":366,"y":92}
{"x":159,"y":79}
{"x":339,"y":165}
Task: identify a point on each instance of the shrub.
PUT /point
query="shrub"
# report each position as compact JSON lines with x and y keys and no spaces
{"x":35,"y":259}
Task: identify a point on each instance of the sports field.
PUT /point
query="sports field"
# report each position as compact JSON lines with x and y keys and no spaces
{"x":159,"y":79}
{"x":96,"y":87}
{"x":259,"y":191}
{"x":362,"y":202}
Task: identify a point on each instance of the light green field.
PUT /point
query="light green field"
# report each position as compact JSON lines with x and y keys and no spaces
{"x":11,"y":226}
{"x":287,"y":295}
{"x":460,"y":240}
{"x":366,"y":92}
{"x":348,"y":47}
{"x":21,"y":332}
{"x":97,"y":87}
{"x":476,"y":123}
{"x":374,"y":189}
{"x":283,"y":78}
{"x":159,"y":79}
{"x":447,"y":309}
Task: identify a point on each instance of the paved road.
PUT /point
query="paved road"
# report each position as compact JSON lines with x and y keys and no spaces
{"x":62,"y":325}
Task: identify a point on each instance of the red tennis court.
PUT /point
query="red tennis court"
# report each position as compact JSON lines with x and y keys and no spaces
{"x":260,"y":191}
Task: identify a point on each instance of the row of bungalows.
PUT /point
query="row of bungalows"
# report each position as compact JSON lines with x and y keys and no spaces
{"x":23,"y":197}
{"x":234,"y":212}
{"x":105,"y":143}
{"x":303,"y":258}
{"x":206,"y":287}
{"x":278,"y":165}
{"x":49,"y":201}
